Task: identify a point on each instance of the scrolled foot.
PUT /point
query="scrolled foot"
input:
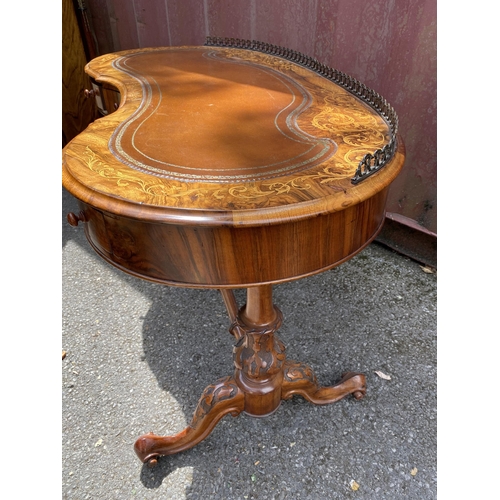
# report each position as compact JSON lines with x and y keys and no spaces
{"x":144,"y":447}
{"x":357,"y":379}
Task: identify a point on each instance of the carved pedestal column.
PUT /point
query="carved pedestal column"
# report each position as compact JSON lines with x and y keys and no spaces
{"x":259,"y":354}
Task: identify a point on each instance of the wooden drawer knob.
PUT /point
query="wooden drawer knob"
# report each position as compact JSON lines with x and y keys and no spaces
{"x":74,"y":219}
{"x":91,"y":93}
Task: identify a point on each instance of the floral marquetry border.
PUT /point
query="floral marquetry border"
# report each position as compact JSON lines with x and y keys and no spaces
{"x":163,"y":192}
{"x":372,"y":161}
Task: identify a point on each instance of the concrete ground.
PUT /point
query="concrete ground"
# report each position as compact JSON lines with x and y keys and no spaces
{"x":138,"y":356}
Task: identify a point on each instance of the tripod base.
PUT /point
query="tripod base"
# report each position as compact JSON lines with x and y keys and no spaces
{"x":263,"y":377}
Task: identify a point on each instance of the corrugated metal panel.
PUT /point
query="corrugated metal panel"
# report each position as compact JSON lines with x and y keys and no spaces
{"x":388,"y":45}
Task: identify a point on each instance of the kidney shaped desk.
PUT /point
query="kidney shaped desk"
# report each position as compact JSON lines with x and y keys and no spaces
{"x":237,"y":164}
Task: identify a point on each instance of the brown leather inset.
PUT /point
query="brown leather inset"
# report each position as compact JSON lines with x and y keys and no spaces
{"x":207,"y":117}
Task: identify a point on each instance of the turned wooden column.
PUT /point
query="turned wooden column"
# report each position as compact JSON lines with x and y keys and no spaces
{"x":259,"y":355}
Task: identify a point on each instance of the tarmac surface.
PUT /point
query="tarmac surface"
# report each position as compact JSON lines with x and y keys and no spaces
{"x":138,"y":356}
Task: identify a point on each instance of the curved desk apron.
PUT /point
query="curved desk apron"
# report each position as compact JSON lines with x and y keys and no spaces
{"x":237,"y":164}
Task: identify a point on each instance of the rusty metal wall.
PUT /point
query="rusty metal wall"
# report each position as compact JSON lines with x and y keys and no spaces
{"x":389,"y":45}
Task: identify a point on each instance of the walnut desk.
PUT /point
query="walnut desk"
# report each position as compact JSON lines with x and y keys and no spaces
{"x":237,"y":164}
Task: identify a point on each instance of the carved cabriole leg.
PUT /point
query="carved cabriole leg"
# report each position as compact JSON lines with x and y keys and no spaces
{"x":218,"y":399}
{"x":300,"y":379}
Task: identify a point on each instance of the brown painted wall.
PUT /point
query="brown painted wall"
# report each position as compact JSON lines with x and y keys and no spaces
{"x":389,"y":45}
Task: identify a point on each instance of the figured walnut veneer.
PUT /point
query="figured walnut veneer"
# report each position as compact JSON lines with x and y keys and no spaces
{"x":226,"y":168}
